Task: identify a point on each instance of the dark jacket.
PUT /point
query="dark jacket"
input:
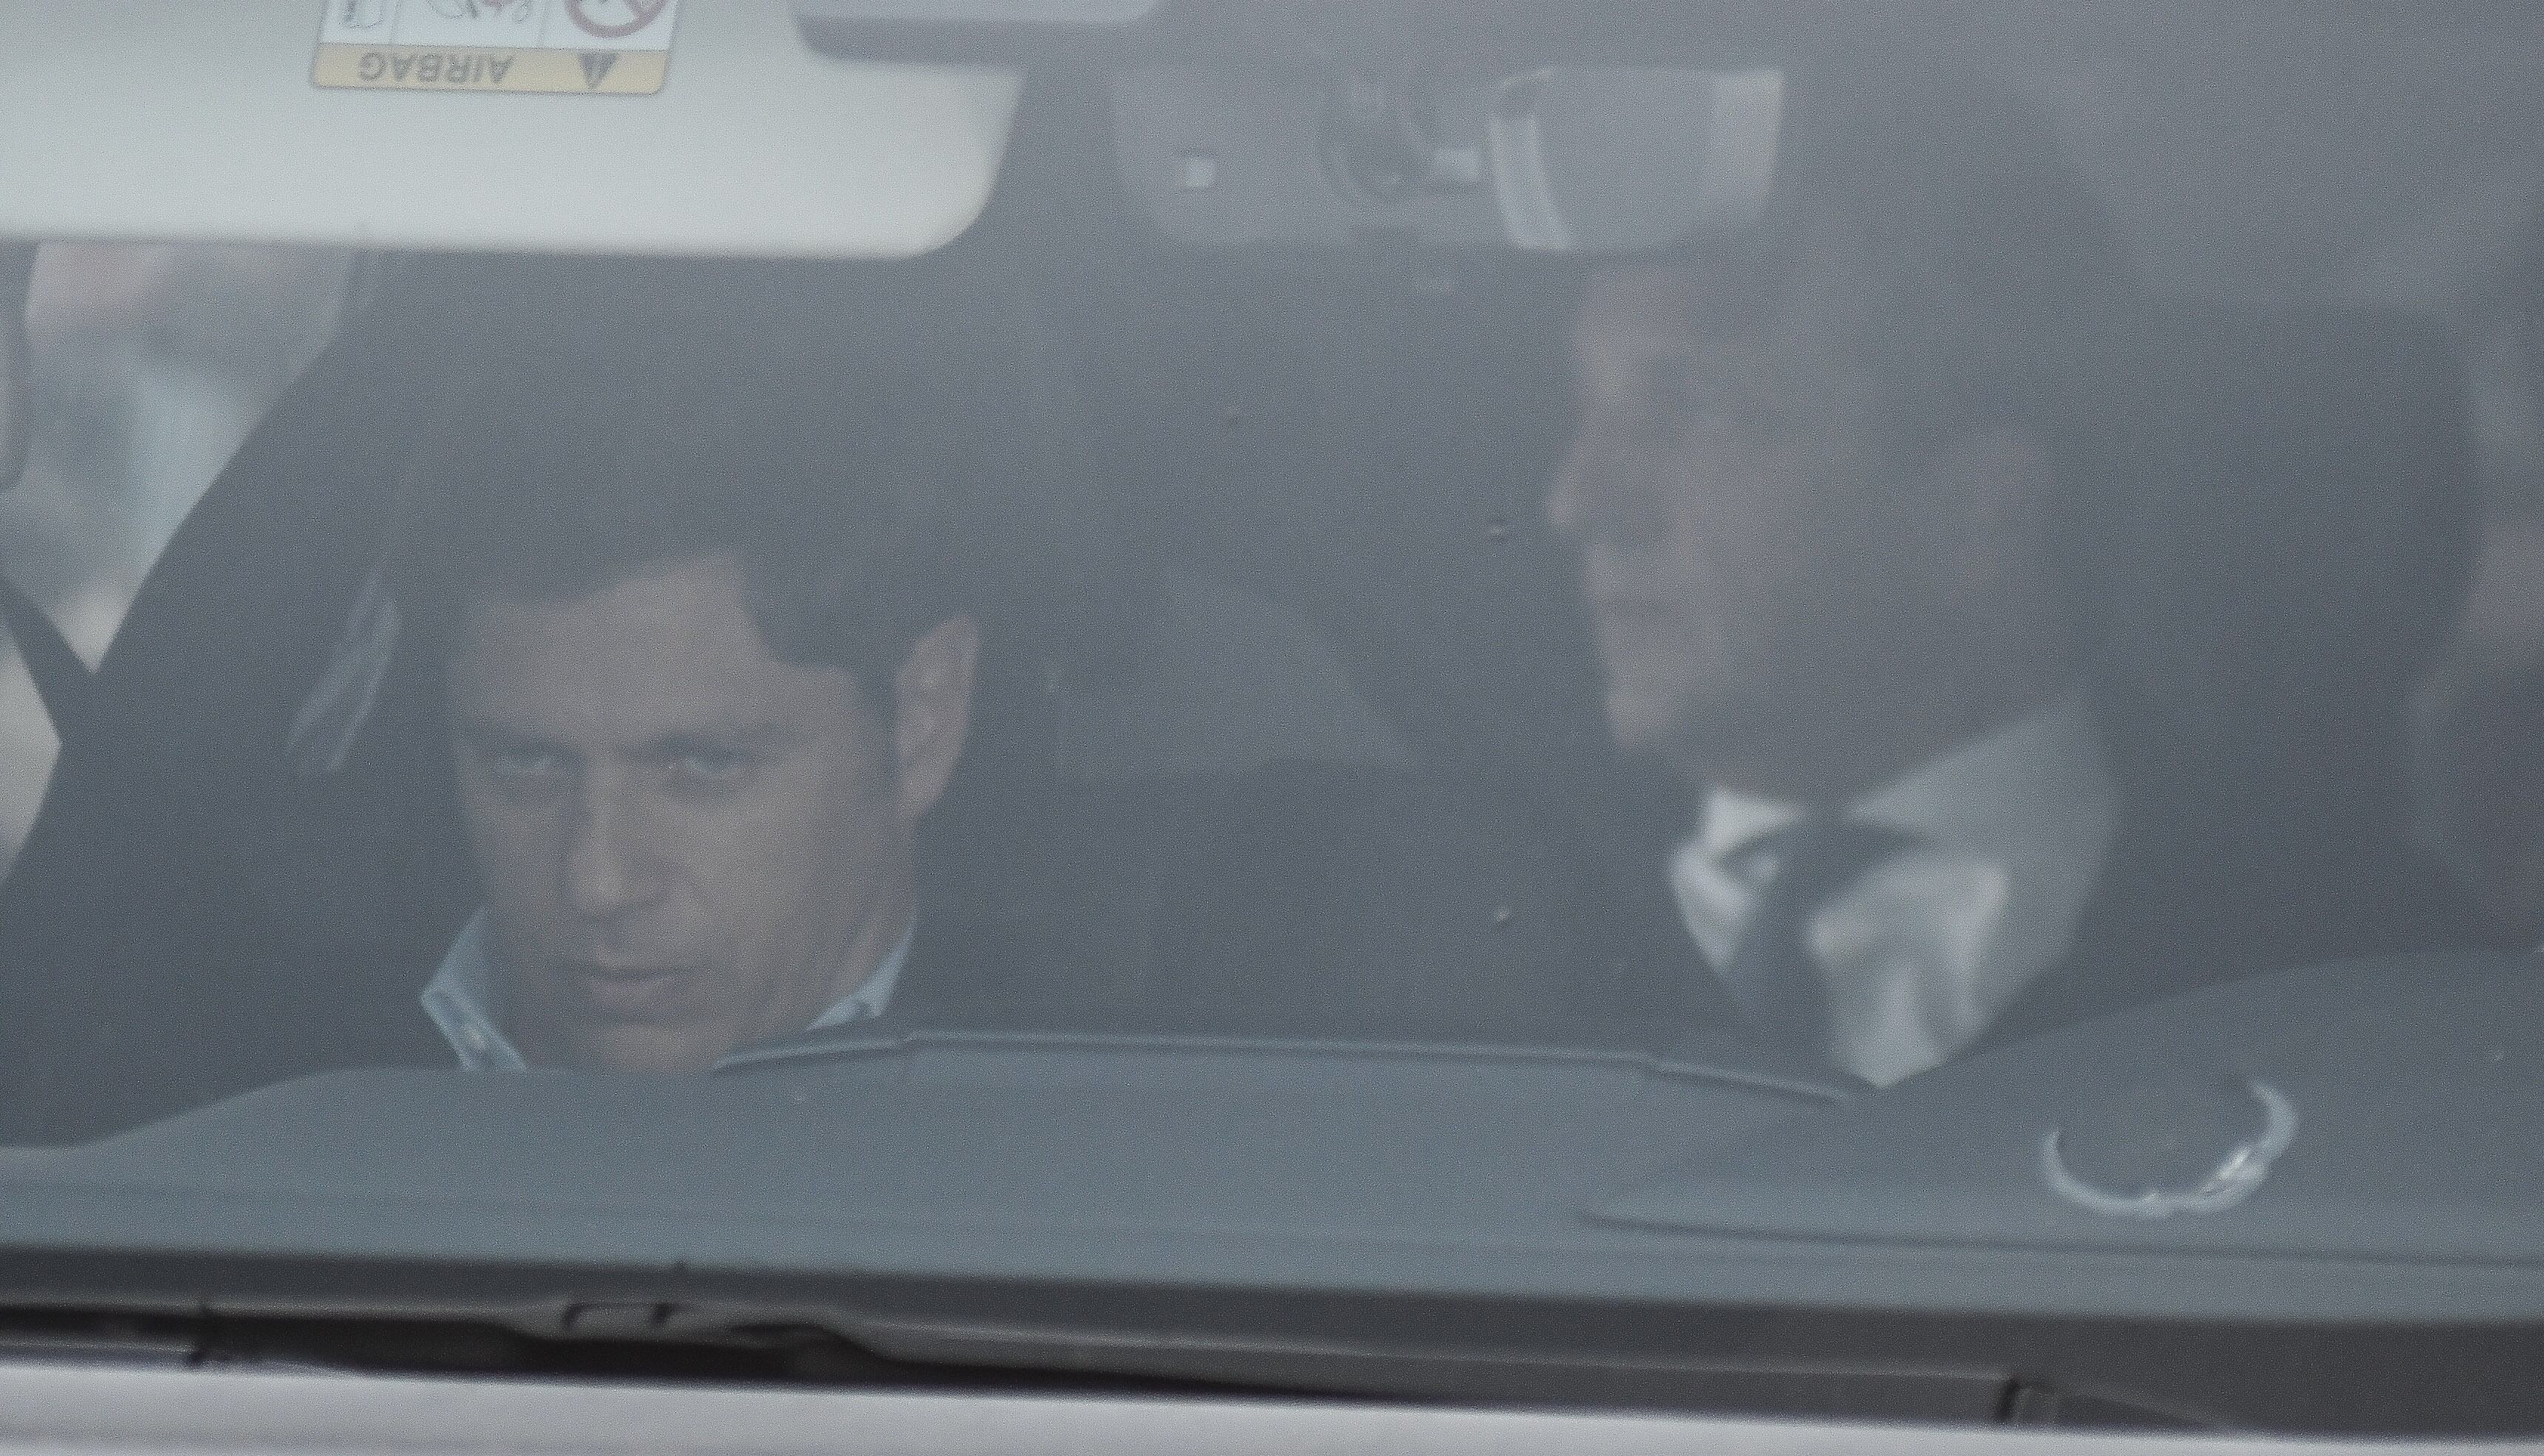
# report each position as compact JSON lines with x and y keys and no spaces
{"x":1370,"y":906}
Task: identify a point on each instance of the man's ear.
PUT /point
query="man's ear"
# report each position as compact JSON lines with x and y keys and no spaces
{"x":932,"y":711}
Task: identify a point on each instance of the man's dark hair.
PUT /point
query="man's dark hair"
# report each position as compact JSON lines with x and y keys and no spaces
{"x":1996,"y":274}
{"x":554,"y":477}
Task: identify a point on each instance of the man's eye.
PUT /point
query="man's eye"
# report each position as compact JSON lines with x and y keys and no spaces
{"x":711,"y":768}
{"x":525,"y":766}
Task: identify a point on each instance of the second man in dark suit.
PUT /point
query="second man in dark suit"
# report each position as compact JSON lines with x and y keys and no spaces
{"x":1815,"y":492}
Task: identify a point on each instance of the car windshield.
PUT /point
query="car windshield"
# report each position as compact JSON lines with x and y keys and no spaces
{"x":1814,"y":658}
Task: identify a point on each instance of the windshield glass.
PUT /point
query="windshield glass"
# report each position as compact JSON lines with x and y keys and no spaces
{"x":1657,"y":643}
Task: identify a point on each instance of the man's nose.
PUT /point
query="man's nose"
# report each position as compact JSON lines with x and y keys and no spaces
{"x":1563,"y":503}
{"x":1599,"y":493}
{"x":607,"y":871}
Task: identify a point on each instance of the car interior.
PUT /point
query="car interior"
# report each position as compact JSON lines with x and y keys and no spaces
{"x":1273,"y":610}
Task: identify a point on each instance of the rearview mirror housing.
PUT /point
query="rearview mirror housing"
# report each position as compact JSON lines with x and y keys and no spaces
{"x":1597,"y":160}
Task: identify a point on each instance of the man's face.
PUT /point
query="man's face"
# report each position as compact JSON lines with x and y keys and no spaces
{"x":686,"y":844}
{"x":1741,"y":552}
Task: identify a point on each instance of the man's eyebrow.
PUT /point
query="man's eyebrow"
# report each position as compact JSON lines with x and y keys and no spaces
{"x":755,"y":737}
{"x":758,"y":736}
{"x":487,"y":731}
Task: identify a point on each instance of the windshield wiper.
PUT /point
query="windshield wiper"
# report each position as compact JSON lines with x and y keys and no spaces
{"x":722,"y":1342}
{"x":603,"y":1338}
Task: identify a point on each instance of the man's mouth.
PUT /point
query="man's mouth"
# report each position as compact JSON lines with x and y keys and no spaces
{"x":627,"y":992}
{"x":1627,"y":584}
{"x":1633,"y":615}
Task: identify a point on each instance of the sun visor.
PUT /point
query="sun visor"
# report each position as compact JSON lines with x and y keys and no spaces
{"x":1557,"y":159}
{"x":641,"y":127}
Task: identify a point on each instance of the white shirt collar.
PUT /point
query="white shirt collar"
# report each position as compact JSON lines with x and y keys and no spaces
{"x":461,"y":996}
{"x":1923,"y":951}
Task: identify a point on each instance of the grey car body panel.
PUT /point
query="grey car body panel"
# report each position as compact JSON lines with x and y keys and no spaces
{"x":1387,"y":1170}
{"x":57,"y":1408}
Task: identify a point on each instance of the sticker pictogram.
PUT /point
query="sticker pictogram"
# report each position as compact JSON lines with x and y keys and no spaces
{"x":568,"y":47}
{"x":614,"y":20}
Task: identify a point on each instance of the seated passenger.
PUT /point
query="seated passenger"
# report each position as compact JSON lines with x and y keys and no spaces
{"x":1815,"y":494}
{"x":707,"y":668}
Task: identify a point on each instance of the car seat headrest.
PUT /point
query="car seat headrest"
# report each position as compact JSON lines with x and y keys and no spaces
{"x":2272,"y":518}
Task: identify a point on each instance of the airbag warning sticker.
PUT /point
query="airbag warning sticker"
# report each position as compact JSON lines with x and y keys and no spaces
{"x":573,"y":47}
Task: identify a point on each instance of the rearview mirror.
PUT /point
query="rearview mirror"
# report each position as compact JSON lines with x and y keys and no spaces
{"x":1560,"y":159}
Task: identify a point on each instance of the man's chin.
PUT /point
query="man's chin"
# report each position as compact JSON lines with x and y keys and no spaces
{"x":1646,"y":717}
{"x":645,"y":1050}
{"x":1693,"y":734}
